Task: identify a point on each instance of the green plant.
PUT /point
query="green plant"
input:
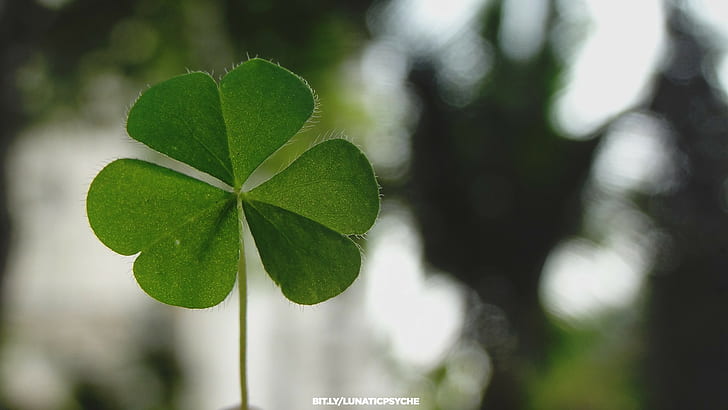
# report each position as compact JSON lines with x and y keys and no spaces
{"x":188,"y":233}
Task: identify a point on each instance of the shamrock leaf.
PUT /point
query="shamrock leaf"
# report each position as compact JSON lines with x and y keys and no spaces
{"x":187,"y":232}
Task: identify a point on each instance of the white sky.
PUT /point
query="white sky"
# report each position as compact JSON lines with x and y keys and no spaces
{"x":611,"y":69}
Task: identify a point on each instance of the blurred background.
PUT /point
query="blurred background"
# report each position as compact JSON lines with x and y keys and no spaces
{"x":553,"y":232}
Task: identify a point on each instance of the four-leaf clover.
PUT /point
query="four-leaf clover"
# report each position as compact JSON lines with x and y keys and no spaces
{"x":188,"y":233}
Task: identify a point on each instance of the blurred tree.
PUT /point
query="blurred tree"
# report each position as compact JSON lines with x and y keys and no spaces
{"x":21,"y":26}
{"x":494,"y":187}
{"x":687,"y":351}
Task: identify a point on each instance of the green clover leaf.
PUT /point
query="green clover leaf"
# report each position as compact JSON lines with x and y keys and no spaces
{"x":187,"y":232}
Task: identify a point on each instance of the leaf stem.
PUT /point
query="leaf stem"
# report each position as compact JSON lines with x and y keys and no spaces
{"x":243,"y":296}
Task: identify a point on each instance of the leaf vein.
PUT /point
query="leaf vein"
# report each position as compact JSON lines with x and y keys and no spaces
{"x":192,"y":219}
{"x":201,"y":143}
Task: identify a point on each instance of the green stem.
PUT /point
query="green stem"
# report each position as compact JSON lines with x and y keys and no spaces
{"x":243,"y":293}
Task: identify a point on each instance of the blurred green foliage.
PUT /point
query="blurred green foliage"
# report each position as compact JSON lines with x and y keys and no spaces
{"x":589,"y":368}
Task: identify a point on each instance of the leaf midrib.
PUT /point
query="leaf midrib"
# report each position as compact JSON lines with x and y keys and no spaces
{"x":194,"y":137}
{"x":170,"y":232}
{"x":283,"y":232}
{"x":284,"y":235}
